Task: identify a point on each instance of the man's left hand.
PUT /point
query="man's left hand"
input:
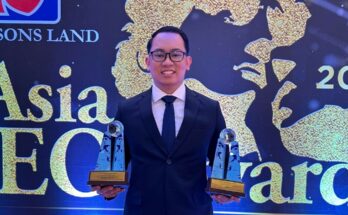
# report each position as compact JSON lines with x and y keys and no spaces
{"x":222,"y":199}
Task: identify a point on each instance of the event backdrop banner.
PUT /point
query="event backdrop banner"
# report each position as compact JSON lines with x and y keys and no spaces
{"x":279,"y":69}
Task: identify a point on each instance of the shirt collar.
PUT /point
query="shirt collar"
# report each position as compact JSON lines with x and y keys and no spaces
{"x":179,"y":93}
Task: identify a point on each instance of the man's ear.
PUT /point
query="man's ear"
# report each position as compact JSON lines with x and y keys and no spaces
{"x":188,"y":62}
{"x":147,"y":61}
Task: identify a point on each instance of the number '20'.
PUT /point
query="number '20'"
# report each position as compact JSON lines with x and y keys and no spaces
{"x":324,"y":84}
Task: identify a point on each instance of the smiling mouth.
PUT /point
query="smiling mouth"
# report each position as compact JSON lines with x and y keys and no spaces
{"x":167,"y":72}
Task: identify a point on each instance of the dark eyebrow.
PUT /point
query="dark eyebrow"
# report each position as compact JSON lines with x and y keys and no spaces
{"x":156,"y":50}
{"x":172,"y":50}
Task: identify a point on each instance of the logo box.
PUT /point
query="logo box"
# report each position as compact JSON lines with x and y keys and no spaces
{"x":30,"y":11}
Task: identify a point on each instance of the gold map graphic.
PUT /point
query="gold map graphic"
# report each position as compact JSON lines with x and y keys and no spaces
{"x":309,"y":137}
{"x":321,"y":135}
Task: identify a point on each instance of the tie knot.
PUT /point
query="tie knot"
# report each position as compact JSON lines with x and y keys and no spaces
{"x":168,"y":99}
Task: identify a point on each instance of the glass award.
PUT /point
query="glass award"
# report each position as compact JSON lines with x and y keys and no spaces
{"x":110,"y":168}
{"x":225,"y":177}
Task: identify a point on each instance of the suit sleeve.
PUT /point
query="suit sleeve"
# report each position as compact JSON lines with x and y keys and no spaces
{"x":219,"y":125}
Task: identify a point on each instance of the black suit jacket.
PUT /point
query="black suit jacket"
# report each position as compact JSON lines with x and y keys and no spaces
{"x":169,"y":183}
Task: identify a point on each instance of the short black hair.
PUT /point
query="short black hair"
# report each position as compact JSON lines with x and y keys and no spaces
{"x":170,"y":29}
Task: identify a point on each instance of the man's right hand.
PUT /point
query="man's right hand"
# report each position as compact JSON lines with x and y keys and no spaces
{"x":108,"y":192}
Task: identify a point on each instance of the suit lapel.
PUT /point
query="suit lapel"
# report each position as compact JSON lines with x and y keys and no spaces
{"x":148,"y":120}
{"x":190,"y":114}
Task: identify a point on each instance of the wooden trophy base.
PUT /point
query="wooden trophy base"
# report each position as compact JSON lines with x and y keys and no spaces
{"x":224,"y":187}
{"x":104,"y":178}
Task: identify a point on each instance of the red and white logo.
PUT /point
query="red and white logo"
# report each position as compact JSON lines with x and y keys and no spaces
{"x":22,"y":7}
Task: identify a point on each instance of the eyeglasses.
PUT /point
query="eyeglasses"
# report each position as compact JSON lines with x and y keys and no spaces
{"x":160,"y":56}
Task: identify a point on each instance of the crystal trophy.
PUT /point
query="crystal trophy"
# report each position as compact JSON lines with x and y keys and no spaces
{"x":110,"y":168}
{"x":225,"y":177}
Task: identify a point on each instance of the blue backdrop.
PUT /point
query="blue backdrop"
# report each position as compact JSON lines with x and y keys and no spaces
{"x":278,"y":69}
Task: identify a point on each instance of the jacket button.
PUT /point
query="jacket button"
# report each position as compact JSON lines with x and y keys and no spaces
{"x":169,"y":161}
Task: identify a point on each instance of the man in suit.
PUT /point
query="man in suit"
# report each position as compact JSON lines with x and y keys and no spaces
{"x":170,"y":131}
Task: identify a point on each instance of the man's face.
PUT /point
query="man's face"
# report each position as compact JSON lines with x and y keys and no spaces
{"x":168,"y":75}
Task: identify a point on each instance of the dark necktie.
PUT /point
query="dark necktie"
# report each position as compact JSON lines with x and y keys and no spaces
{"x":168,"y":126}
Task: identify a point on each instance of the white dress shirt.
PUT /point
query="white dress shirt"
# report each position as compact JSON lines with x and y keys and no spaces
{"x":158,"y":106}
